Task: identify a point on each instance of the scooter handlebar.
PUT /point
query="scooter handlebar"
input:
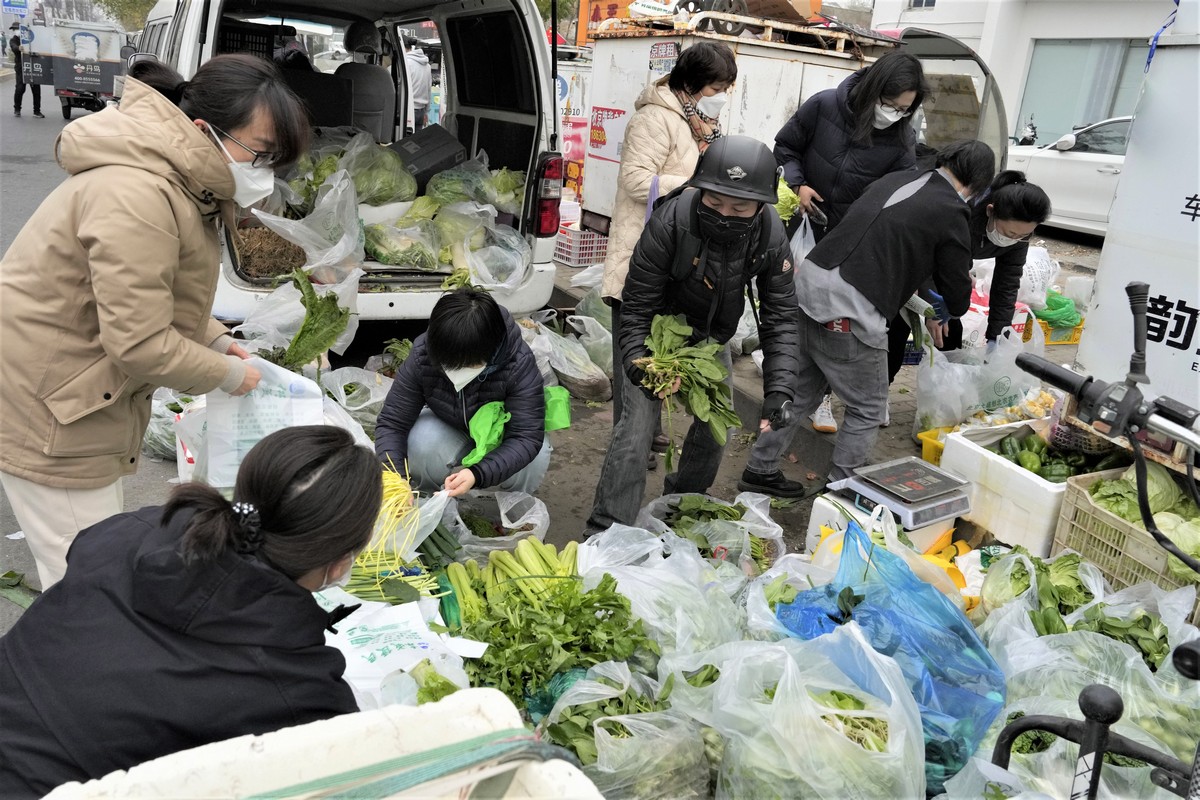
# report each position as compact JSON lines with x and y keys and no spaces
{"x":1059,"y":377}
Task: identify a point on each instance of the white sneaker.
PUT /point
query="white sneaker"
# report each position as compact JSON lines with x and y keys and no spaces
{"x":822,"y":418}
{"x":887,"y":414}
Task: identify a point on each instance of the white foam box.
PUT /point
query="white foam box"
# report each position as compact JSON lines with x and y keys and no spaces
{"x":830,"y":510}
{"x":1010,"y":502}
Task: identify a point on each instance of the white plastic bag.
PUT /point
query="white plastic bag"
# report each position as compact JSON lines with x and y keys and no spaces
{"x":745,"y":339}
{"x":572,"y":364}
{"x":658,"y":755}
{"x":282,"y":399}
{"x":331,"y":234}
{"x":588,"y":278}
{"x":335,"y":415}
{"x":803,"y":242}
{"x":798,"y":572}
{"x":1037,"y":278}
{"x":359,"y":392}
{"x":521,"y":514}
{"x":159,"y":439}
{"x":592,"y":305}
{"x":618,"y":546}
{"x":596,"y":340}
{"x":504,"y":263}
{"x":728,"y":540}
{"x":278,"y":316}
{"x":378,"y":172}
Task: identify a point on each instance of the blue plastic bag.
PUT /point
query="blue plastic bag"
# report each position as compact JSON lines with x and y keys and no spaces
{"x":958,"y":687}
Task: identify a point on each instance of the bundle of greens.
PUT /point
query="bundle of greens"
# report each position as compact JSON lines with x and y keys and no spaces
{"x":687,"y":515}
{"x":506,"y":190}
{"x":423,"y":208}
{"x":703,"y":392}
{"x":779,"y":591}
{"x":1060,"y":587}
{"x":465,"y":182}
{"x":412,"y":248}
{"x":1031,"y":742}
{"x":309,"y":174}
{"x":1144,"y":631}
{"x":378,"y":172}
{"x":324,"y":322}
{"x":869,"y":733}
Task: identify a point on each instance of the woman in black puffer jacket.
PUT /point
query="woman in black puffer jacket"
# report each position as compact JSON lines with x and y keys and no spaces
{"x":455,"y":369}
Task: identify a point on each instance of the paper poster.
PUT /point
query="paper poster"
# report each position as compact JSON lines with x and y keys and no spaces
{"x":607,"y":134}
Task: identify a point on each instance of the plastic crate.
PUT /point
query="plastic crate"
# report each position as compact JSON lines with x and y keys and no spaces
{"x":1125,"y":553}
{"x":931,"y":446}
{"x":1054,"y":335}
{"x":913,"y":356}
{"x":577,"y":248}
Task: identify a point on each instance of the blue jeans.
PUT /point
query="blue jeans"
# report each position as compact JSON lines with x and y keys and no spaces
{"x":435,"y":450}
{"x":623,"y":476}
{"x":858,"y":374}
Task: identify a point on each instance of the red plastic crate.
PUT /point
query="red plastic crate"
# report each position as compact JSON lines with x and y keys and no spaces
{"x":577,"y":248}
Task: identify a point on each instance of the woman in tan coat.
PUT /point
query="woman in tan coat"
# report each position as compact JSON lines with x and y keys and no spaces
{"x":674,"y":120}
{"x":106,"y":293}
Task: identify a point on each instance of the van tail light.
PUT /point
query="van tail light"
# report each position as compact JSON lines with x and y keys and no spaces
{"x":550,"y":175}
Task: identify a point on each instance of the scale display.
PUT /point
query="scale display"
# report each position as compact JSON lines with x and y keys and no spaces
{"x":911,"y":479}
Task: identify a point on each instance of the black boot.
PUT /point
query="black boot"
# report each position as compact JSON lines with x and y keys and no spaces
{"x":775,"y":484}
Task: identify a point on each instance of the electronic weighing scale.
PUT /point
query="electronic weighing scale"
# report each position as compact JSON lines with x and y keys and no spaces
{"x":916,"y":492}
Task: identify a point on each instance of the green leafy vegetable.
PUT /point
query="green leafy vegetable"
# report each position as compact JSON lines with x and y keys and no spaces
{"x":411,"y":247}
{"x":379,"y":175}
{"x":432,"y":686}
{"x":869,"y":733}
{"x":575,"y":729}
{"x":423,"y":208}
{"x":324,"y":322}
{"x":788,"y":203}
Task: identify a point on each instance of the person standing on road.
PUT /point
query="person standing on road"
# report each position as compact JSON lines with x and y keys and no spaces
{"x":842,"y":140}
{"x":726,"y":215}
{"x":106,"y":293}
{"x":19,"y":80}
{"x":471,"y":356}
{"x":191,"y":623}
{"x":420,"y":81}
{"x":905,"y":230}
{"x":674,"y":120}
{"x":1002,"y":220}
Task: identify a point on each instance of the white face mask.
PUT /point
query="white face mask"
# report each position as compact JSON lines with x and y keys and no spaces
{"x":712,"y":105}
{"x":251,"y":183}
{"x":461,"y":376}
{"x":886,"y":117}
{"x":341,"y":582}
{"x":997,"y":238}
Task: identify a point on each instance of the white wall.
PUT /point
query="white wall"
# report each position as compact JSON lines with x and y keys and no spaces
{"x":1003,"y":31}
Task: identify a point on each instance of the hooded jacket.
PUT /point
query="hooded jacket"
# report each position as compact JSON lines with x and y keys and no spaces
{"x":420,"y":77}
{"x":712,"y":296}
{"x":658,"y":142}
{"x":107,"y":291}
{"x":135,"y":655}
{"x":816,"y":147}
{"x":511,"y":377}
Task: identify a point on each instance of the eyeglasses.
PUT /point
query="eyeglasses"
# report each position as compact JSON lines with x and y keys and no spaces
{"x":261,"y":159}
{"x":902,"y":111}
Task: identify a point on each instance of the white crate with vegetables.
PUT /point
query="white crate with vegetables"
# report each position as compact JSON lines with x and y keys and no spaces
{"x":1015,"y":498}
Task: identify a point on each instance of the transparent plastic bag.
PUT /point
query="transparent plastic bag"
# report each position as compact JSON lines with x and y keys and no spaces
{"x":331,"y":235}
{"x":619,"y":546}
{"x":334,"y":414}
{"x":589,"y":278}
{"x":957,"y":684}
{"x":415,"y":247}
{"x":378,"y":172}
{"x":981,"y":778}
{"x":504,"y":262}
{"x":679,"y":614}
{"x":728,"y":540}
{"x":658,"y":755}
{"x":1036,"y":278}
{"x":596,"y":340}
{"x":572,"y":365}
{"x":592,"y":305}
{"x":521,"y":514}
{"x":745,"y":338}
{"x":360,"y":392}
{"x":278,"y":316}
{"x":540,"y":346}
{"x":159,"y":439}
{"x":789,"y":736}
{"x":603,"y":681}
{"x":468,"y":181}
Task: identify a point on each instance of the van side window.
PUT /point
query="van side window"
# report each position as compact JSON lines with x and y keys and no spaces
{"x":493,"y":65}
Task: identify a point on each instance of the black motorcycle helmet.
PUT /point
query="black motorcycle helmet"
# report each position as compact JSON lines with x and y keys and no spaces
{"x":738,"y":166}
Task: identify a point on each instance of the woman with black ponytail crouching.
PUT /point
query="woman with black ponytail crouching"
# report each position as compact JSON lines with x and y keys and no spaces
{"x":190,"y":623}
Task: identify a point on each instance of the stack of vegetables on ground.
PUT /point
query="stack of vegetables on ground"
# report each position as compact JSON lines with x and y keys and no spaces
{"x":695,"y":368}
{"x":687,"y":518}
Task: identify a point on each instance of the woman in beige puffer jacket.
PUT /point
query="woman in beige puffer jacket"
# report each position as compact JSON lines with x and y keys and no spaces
{"x":668,"y":131}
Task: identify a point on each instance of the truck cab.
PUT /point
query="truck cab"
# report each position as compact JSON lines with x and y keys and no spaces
{"x":496,"y":98}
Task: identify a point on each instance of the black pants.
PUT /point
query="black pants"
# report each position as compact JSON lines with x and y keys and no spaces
{"x":19,"y":92}
{"x":898,"y":333}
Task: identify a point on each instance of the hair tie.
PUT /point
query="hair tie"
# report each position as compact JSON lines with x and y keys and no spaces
{"x":249,"y":526}
{"x":176,"y":94}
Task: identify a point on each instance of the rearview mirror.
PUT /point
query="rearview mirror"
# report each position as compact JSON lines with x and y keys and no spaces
{"x":1065,"y":143}
{"x":127,"y":51}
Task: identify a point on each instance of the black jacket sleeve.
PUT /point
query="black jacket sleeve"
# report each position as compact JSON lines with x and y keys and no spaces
{"x":526,"y":429}
{"x":793,"y":140}
{"x":779,"y":316}
{"x":400,"y":409}
{"x":952,"y":268}
{"x":646,"y":287}
{"x":1006,"y":283}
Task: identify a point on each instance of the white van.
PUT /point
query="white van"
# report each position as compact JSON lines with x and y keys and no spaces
{"x":497,"y":97}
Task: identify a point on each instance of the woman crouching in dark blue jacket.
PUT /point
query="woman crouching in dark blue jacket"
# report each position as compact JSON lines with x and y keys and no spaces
{"x":472,"y":355}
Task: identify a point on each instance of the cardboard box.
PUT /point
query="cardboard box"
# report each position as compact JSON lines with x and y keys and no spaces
{"x":428,"y":152}
{"x":1010,"y":502}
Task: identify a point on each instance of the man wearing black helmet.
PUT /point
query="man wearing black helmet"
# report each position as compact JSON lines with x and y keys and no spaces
{"x":706,"y":247}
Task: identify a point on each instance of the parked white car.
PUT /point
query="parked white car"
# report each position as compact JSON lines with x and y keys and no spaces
{"x":1079,"y":172}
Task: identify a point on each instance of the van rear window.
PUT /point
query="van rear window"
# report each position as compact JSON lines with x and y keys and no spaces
{"x":493,"y":67}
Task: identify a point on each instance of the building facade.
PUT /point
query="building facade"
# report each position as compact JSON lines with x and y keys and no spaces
{"x":1061,"y":63}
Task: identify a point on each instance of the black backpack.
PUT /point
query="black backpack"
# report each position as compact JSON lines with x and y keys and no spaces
{"x":689,"y":245}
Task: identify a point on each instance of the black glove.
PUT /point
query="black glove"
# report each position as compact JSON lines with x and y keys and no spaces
{"x":777,"y":410}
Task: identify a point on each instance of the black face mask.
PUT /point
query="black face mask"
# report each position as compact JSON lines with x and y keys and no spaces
{"x":720,"y":228}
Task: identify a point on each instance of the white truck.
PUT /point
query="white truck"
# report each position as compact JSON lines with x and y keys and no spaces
{"x":79,"y":59}
{"x":780,"y":65}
